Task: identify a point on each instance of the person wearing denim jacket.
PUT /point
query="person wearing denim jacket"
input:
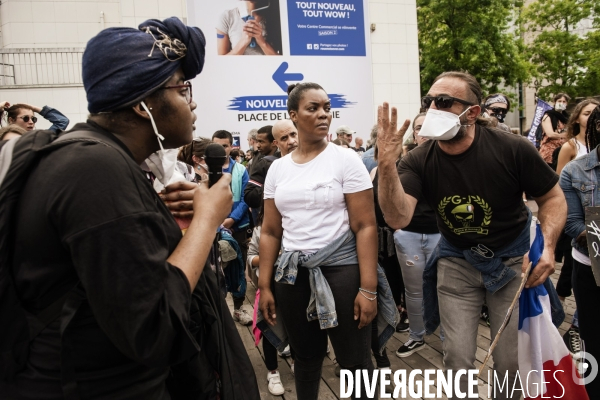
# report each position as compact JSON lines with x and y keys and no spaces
{"x":473,"y":177}
{"x":23,"y":115}
{"x":579,"y":182}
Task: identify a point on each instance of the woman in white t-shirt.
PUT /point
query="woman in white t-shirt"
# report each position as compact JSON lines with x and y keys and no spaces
{"x":317,"y":200}
{"x":238,"y":36}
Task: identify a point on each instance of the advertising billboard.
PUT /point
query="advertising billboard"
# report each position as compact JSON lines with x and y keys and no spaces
{"x":255,"y":49}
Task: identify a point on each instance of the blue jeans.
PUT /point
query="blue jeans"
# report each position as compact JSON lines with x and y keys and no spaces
{"x":413,"y":250}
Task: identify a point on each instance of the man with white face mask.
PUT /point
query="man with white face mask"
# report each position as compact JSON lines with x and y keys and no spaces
{"x":473,"y":177}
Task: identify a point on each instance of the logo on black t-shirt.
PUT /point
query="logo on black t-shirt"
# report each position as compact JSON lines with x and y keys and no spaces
{"x":470,"y":214}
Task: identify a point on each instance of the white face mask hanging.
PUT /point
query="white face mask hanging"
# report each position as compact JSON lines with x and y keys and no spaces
{"x":440,"y":125}
{"x":163,"y":162}
{"x":158,"y":135}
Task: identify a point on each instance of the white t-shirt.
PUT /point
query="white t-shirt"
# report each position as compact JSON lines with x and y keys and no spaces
{"x":580,"y":257}
{"x":310,"y":196}
{"x":232,"y":24}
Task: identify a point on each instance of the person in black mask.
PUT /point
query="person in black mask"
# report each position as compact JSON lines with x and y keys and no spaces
{"x":497,"y":105}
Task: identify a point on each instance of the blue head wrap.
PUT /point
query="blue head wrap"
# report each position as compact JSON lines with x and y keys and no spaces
{"x":121,"y":66}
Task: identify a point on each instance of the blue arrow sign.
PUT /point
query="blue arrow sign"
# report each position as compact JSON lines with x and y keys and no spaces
{"x":281,"y":77}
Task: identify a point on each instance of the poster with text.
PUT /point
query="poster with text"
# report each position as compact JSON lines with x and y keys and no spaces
{"x":319,"y":28}
{"x":255,"y":49}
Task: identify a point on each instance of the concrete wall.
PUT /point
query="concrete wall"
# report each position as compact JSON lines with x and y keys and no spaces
{"x":395,"y":55}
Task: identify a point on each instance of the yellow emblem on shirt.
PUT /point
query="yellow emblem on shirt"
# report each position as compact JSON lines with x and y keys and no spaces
{"x":465,"y":211}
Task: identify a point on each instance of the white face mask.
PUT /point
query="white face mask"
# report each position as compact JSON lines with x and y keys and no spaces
{"x":441,"y":125}
{"x":560,"y":106}
{"x":163,"y":162}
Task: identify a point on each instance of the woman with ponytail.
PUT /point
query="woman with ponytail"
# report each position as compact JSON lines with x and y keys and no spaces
{"x":319,"y":210}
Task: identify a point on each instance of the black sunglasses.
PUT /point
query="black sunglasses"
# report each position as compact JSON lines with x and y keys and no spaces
{"x":442,"y":101}
{"x":498,"y":110}
{"x":26,"y":119}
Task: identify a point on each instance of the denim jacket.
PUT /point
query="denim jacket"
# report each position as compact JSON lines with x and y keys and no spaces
{"x":59,"y":121}
{"x":495,"y":274}
{"x":579,"y":182}
{"x":368,"y":158}
{"x":342,"y":251}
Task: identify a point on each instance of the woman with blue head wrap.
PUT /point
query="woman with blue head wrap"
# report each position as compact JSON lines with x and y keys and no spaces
{"x":142,"y":317}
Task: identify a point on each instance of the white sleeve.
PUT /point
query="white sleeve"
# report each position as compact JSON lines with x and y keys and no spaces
{"x":356,"y":177}
{"x":270,"y":181}
{"x":224,"y":22}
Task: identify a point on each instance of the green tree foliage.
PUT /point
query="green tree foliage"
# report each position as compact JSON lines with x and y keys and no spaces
{"x":590,"y":83}
{"x":563,"y":59}
{"x":471,"y":36}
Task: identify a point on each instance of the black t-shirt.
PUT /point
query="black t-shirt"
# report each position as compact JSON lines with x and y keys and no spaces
{"x":88,"y":213}
{"x":423,"y":220}
{"x":477,"y":195}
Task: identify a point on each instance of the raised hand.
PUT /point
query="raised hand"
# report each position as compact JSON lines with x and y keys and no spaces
{"x":389,"y":137}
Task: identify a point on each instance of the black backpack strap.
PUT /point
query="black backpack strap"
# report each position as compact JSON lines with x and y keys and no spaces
{"x":84,"y":136}
{"x":72,"y":300}
{"x":68,"y":376}
{"x":54,"y":310}
{"x":49,"y":314}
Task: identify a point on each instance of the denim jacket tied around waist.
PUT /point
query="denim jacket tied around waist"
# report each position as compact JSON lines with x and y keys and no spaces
{"x":495,"y":274}
{"x":321,"y":307}
{"x":579,"y":182}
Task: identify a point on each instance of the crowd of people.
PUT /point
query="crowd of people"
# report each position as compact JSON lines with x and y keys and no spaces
{"x":122,"y":241}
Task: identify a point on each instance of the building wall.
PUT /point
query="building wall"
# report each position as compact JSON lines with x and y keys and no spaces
{"x":70,"y":24}
{"x":395,"y":55}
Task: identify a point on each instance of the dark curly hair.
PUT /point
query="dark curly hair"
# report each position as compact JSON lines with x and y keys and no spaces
{"x":591,"y":132}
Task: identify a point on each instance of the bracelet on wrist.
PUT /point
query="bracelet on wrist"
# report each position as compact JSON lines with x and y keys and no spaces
{"x":366,"y":297}
{"x":367,"y":291}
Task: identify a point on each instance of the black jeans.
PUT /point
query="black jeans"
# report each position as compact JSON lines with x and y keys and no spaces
{"x":587,"y":298}
{"x":352,"y":346}
{"x":270,"y":353}
{"x":242,"y":238}
{"x":382,"y":359}
{"x":564,"y":286}
{"x":393,"y":274}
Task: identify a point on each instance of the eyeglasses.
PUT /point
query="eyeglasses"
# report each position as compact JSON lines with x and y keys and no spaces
{"x":27,"y":117}
{"x":498,"y":110}
{"x":188,"y":91}
{"x":442,"y":101}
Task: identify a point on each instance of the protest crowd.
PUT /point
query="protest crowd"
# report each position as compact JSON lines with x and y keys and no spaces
{"x":124,"y":235}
